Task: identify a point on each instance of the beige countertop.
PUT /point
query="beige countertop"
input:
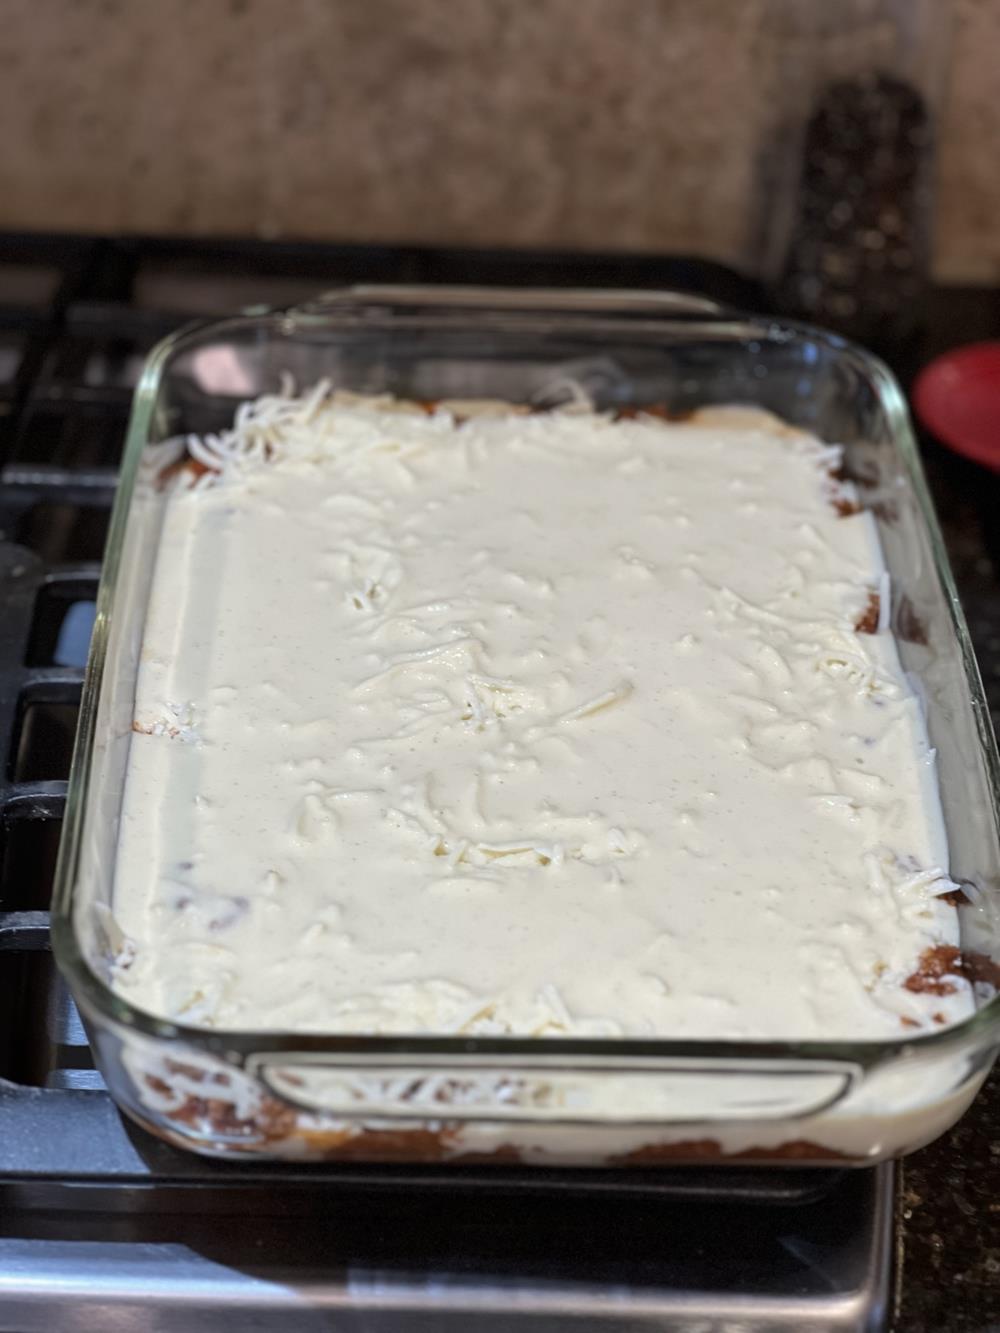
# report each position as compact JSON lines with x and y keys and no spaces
{"x":570,"y":123}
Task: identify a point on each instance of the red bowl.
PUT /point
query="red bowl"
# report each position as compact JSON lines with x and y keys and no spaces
{"x":957,"y":398}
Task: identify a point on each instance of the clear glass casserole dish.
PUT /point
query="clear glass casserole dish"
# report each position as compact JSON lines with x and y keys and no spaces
{"x":544,"y":1100}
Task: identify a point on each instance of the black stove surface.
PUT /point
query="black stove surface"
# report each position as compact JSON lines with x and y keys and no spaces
{"x":98,"y":1216}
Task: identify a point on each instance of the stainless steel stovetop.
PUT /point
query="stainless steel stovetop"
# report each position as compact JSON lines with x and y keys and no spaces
{"x":103,"y":1227}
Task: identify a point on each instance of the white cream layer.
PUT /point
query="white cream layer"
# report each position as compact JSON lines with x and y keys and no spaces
{"x":539,"y":724}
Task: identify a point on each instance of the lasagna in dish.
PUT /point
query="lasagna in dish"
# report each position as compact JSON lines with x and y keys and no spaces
{"x":460,"y":718}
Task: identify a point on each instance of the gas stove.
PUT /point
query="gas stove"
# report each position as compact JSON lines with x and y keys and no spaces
{"x":102,"y":1225}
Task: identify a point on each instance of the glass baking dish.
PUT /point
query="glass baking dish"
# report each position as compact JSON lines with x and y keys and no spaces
{"x":544,"y":1100}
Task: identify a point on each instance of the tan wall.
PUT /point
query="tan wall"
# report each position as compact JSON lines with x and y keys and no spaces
{"x":600,"y":123}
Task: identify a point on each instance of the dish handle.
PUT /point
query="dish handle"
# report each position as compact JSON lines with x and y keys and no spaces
{"x":448,"y":299}
{"x":489,"y":1089}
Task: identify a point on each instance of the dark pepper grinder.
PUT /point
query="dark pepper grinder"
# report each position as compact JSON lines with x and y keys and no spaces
{"x":847,"y":206}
